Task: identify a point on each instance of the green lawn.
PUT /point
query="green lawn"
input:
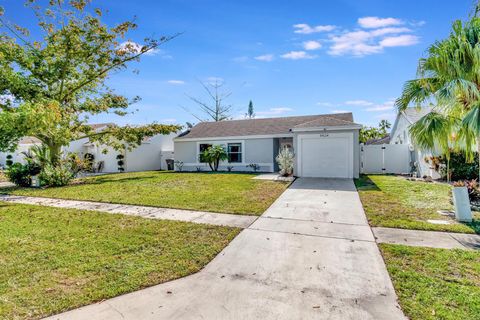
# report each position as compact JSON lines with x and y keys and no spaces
{"x":52,"y":259}
{"x":216,"y":192}
{"x":435,"y":283}
{"x":391,"y":201}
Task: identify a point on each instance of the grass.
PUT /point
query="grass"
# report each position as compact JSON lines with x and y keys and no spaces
{"x":215,"y":192}
{"x":435,"y":283}
{"x":52,"y":260}
{"x":391,"y":201}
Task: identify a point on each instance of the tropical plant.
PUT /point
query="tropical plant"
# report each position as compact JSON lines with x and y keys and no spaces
{"x":254,"y":166}
{"x":213,"y":155}
{"x":433,"y":132}
{"x":448,"y":78}
{"x":60,"y":174}
{"x":179,"y":165}
{"x":285,"y":160}
{"x":21,"y":174}
{"x":57,"y":80}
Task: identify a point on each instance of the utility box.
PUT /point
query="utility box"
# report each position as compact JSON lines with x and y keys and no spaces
{"x":463,"y":211}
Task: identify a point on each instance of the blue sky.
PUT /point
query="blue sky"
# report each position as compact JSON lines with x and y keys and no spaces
{"x":288,"y":57}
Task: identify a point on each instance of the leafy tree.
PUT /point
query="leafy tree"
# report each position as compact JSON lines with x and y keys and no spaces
{"x":369,"y":133}
{"x":448,"y":78}
{"x":213,"y":155}
{"x":250,"y":112}
{"x":55,"y":82}
{"x":216,"y":109}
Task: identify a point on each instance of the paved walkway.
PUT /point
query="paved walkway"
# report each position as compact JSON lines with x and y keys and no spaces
{"x":222,"y":219}
{"x":432,"y":239}
{"x":311,"y":255}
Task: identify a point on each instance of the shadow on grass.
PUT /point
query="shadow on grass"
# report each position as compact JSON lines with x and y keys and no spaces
{"x":364,"y":183}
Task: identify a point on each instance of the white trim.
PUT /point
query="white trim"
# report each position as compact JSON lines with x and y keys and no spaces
{"x":265,"y":136}
{"x":242,"y":142}
{"x":329,"y":128}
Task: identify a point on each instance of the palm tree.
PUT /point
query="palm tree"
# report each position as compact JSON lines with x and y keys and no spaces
{"x":449,"y":78}
{"x":434,"y":132}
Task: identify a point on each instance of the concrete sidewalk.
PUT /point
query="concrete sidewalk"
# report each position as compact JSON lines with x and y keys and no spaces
{"x":221,"y":219}
{"x":432,"y":239}
{"x":311,"y":255}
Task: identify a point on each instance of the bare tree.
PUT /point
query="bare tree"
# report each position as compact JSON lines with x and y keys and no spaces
{"x":215,"y":108}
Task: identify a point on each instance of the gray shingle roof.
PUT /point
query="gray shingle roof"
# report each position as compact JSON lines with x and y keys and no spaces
{"x":266,"y":126}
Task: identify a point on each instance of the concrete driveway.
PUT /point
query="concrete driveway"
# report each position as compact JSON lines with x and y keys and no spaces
{"x":311,"y":255}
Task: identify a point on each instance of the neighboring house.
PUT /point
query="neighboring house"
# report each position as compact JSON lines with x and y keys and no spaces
{"x":400,"y":135}
{"x":383,"y":140}
{"x":324,"y":145}
{"x":150,"y":155}
{"x":23,"y":146}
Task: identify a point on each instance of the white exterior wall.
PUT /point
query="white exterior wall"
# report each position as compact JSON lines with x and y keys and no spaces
{"x":401,"y":135}
{"x":255,"y":150}
{"x":17,"y":155}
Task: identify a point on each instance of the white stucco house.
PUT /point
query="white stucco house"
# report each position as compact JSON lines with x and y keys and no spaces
{"x":400,"y":135}
{"x":324,"y":145}
{"x":150,"y":155}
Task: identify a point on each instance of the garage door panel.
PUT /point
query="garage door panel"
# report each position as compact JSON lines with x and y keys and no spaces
{"x":325,"y":157}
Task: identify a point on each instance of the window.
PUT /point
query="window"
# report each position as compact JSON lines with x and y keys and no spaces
{"x":234,"y":151}
{"x":202,"y":148}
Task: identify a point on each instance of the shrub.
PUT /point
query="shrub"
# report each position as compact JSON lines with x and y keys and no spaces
{"x":285,"y":159}
{"x":57,"y":176}
{"x":21,"y":174}
{"x":459,"y":168}
{"x":255,"y":167}
{"x":9,"y":161}
{"x":229,"y":168}
{"x":179,"y":165}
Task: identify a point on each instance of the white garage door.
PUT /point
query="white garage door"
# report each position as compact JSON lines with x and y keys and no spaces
{"x":328,"y":157}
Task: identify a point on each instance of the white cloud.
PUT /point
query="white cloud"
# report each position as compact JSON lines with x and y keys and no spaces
{"x":365,"y":42}
{"x":399,"y":41}
{"x":359,"y":103}
{"x":265,"y":57}
{"x":297,"y":55}
{"x":386,"y":116}
{"x":388,"y":105}
{"x":340,"y":111}
{"x":390,"y":30}
{"x":176,"y":82}
{"x":376,"y":22}
{"x":304,"y":28}
{"x":312,"y":45}
{"x":325,"y":104}
{"x":274,"y":111}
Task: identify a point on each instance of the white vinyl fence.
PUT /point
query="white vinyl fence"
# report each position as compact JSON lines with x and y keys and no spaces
{"x":385,"y":158}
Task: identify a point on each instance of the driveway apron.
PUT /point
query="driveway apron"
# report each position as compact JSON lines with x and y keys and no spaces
{"x":311,"y":255}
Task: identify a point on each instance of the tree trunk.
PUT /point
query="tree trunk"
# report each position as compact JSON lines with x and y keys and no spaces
{"x":478,"y":154}
{"x":55,"y":153}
